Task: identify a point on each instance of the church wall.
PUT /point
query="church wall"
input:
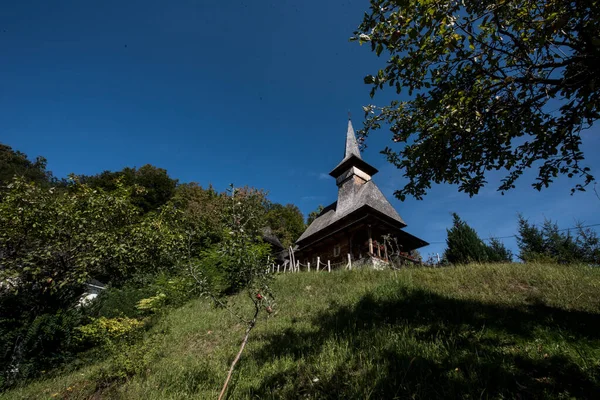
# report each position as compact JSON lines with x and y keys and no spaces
{"x":326,"y":251}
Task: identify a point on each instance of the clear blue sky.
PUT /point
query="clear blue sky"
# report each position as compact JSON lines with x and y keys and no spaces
{"x":249,"y":92}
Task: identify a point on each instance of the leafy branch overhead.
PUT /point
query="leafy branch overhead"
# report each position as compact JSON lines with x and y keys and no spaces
{"x":492,"y":85}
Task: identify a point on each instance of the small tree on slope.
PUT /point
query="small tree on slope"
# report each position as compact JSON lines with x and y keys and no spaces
{"x":245,"y":256}
{"x":464,"y":245}
{"x":548,"y":243}
{"x":497,"y":252}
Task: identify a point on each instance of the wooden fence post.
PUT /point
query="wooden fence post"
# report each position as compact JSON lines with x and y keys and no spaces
{"x":349,"y":262}
{"x":277,"y":268}
{"x":318,"y":262}
{"x":308,"y":263}
{"x":328,"y":265}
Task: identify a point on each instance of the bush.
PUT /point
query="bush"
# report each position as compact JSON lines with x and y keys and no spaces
{"x":119,"y":302}
{"x":152,"y":304}
{"x":177,"y":289}
{"x":128,"y":360}
{"x":102,"y":331}
{"x":29,"y":347}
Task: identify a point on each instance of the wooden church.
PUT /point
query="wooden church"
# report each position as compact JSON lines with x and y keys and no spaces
{"x":353,"y":228}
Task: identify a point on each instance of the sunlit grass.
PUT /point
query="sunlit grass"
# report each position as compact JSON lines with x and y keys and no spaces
{"x":478,"y":331}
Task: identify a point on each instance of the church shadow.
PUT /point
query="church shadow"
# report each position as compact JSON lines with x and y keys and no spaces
{"x":423,"y":345}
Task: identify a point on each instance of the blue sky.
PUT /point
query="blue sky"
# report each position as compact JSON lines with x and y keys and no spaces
{"x":249,"y":92}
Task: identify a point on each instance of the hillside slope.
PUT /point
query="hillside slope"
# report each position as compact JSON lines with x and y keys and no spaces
{"x":484,"y":331}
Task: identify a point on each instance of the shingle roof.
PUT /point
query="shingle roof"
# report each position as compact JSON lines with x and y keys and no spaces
{"x":351,"y":143}
{"x":270,"y":237}
{"x":367,"y":195}
{"x":353,"y":195}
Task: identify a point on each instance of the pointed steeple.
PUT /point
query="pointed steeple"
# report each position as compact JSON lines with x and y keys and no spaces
{"x":352,"y":158}
{"x":351,"y":143}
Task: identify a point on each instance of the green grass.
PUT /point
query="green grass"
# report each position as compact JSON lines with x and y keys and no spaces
{"x":479,"y":331}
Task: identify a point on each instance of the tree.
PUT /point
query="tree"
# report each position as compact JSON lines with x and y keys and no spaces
{"x":551,"y":244}
{"x":464,"y":245}
{"x":560,"y":246}
{"x":158,"y":186}
{"x":286,"y":222}
{"x":589,"y":244}
{"x":246,"y":257}
{"x":53,"y":240}
{"x":51,"y":243}
{"x":497,"y":252}
{"x":530,"y":241}
{"x":492,"y":86}
{"x":14,"y":163}
{"x":203,"y":210}
{"x":314,"y":214}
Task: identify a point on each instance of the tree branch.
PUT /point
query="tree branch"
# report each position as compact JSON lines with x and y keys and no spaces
{"x":242,"y":346}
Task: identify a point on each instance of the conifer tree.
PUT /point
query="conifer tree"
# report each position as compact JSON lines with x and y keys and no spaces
{"x":464,"y":245}
{"x":530,"y":241}
{"x":497,"y":252}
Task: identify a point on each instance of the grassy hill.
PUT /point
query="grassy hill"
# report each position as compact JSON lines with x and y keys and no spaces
{"x":482,"y":331}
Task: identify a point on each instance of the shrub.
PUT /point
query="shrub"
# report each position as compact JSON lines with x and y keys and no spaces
{"x":102,"y":331}
{"x":128,"y":360}
{"x":177,"y":289}
{"x":119,"y":302}
{"x":152,"y":304}
{"x":31,"y":346}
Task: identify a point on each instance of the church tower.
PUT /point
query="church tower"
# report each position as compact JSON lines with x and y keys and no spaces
{"x":352,"y":172}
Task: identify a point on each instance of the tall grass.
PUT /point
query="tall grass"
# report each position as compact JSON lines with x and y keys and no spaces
{"x":477,"y":331}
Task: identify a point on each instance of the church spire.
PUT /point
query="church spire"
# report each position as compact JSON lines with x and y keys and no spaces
{"x":351,"y":143}
{"x":352,"y":159}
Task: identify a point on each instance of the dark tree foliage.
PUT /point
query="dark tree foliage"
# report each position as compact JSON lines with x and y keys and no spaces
{"x":491,"y":85}
{"x":286,"y":222}
{"x":158,"y":187}
{"x":242,"y":248}
{"x":464,"y":245}
{"x":549,"y":243}
{"x":15,"y":163}
{"x":530,"y":240}
{"x":588,"y":244}
{"x":561,"y":246}
{"x":203,"y":210}
{"x":51,"y":243}
{"x":497,"y":252}
{"x":135,"y":230}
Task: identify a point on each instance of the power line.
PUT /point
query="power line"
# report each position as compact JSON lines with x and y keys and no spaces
{"x":514,"y":236}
